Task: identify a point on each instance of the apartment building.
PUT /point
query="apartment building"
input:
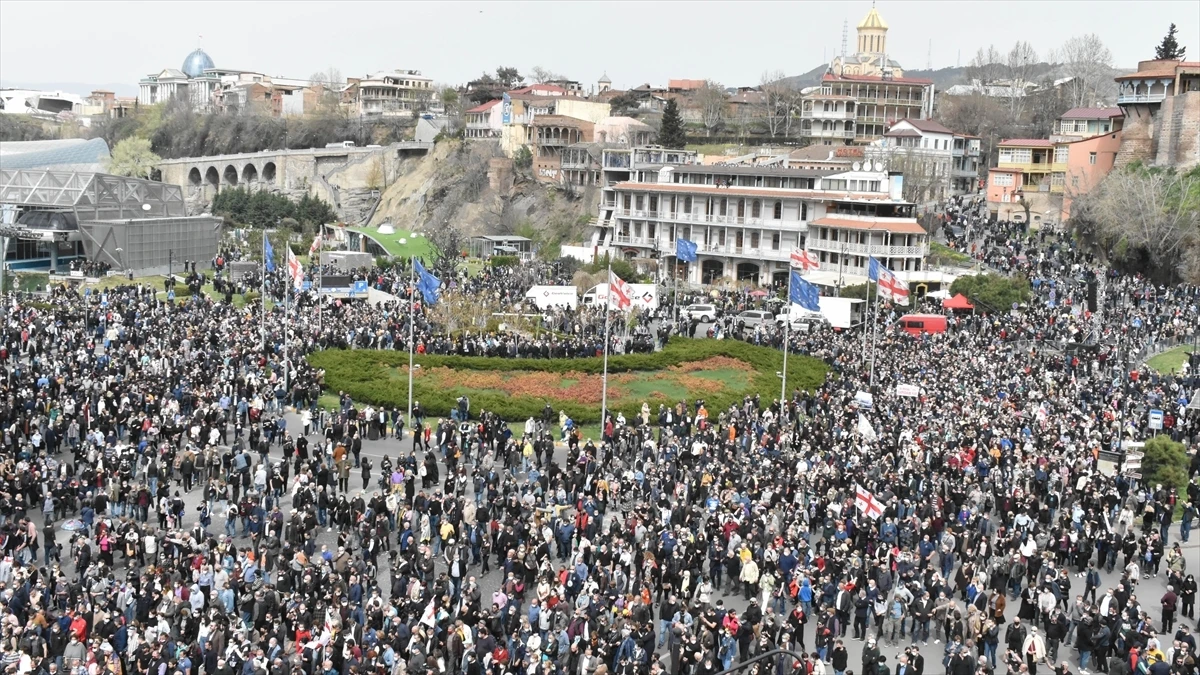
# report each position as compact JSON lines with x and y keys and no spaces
{"x":398,"y":93}
{"x":936,"y":162}
{"x":747,"y":220}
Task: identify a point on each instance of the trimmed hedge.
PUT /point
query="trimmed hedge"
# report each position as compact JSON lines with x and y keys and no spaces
{"x":365,"y":375}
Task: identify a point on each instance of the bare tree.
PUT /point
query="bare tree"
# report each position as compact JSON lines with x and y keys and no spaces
{"x":541,"y":75}
{"x":330,"y":78}
{"x":1088,"y":62}
{"x":776,"y":101}
{"x":986,"y":66}
{"x":711,"y":99}
{"x":1020,"y":64}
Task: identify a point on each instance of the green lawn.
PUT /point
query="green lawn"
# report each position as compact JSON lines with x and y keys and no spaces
{"x":418,"y":246}
{"x":1170,"y":361}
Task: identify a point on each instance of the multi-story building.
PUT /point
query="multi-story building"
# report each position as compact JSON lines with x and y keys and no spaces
{"x":484,"y":121}
{"x":1161,"y":102}
{"x":398,"y":93}
{"x":864,"y":93}
{"x":936,"y":162}
{"x":1047,"y":174}
{"x":747,"y":220}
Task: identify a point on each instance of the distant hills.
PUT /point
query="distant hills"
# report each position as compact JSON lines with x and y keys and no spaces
{"x":942,"y":78}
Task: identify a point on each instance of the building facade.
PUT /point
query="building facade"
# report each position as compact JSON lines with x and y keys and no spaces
{"x":1161,"y":105}
{"x":747,"y":220}
{"x":398,"y":93}
{"x":936,"y":162}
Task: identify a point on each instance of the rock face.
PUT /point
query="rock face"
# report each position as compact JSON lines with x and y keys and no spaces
{"x":471,"y":185}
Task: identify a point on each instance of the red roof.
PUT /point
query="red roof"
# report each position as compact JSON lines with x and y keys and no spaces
{"x":830,"y":77}
{"x":1035,"y":142}
{"x":539,"y":87}
{"x":685,"y":84}
{"x":1092,"y":113}
{"x":486,"y":106}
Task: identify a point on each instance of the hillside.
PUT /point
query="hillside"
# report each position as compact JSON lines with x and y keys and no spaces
{"x":474,"y":187}
{"x":942,"y":77}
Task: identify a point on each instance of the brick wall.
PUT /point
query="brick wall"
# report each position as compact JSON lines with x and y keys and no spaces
{"x":1138,"y":135}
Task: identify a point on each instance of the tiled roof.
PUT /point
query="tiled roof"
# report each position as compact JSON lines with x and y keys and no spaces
{"x":485,"y":106}
{"x":830,"y":77}
{"x":685,"y":84}
{"x":1092,"y":113}
{"x":928,"y":126}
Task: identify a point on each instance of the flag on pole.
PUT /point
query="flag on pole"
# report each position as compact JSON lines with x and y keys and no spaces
{"x":866,"y":502}
{"x":804,"y":293}
{"x":316,"y":245}
{"x":428,"y":284}
{"x":270,"y":254}
{"x":685,"y":251}
{"x":865,"y":428}
{"x":805,"y":261}
{"x":295,"y":270}
{"x":619,"y":292}
{"x":429,"y":616}
{"x":886,"y":283}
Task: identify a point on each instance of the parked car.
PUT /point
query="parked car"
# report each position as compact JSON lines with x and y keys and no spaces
{"x":752,"y":318}
{"x":704,"y":313}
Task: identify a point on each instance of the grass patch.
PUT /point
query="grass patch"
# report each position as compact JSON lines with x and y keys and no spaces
{"x":418,"y":246}
{"x":1170,"y":361}
{"x":942,"y":254}
{"x":721,"y":372}
{"x":714,"y":148}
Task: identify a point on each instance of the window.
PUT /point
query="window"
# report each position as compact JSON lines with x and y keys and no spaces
{"x":803,"y":210}
{"x":774,"y":241}
{"x":1060,"y":154}
{"x":756,"y":209}
{"x":1002,"y":179}
{"x":754,"y":239}
{"x":1091,"y":158}
{"x":687,"y":204}
{"x":778,"y":211}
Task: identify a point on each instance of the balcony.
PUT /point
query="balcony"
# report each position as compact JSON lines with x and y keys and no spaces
{"x":712,"y":219}
{"x":827,"y":114}
{"x":1026,"y":167}
{"x":828,"y":133}
{"x":870,"y":120}
{"x":849,"y":248}
{"x":1125,"y":99}
{"x":625,"y":240}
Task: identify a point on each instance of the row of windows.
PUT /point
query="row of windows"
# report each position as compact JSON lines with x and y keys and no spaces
{"x":712,"y":206}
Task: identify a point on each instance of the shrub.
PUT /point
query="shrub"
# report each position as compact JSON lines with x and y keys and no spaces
{"x":1165,"y":463}
{"x":367,"y":376}
{"x":993,"y":291}
{"x":504,"y":261}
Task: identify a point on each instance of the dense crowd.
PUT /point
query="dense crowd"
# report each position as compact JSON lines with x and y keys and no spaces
{"x":163,"y":511}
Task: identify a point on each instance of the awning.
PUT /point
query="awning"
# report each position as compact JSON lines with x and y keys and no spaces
{"x":958,"y":302}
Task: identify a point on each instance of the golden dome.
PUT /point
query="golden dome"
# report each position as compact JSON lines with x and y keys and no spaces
{"x":873,"y":20}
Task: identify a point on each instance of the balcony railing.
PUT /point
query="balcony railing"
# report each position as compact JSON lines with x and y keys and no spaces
{"x":1140,"y":98}
{"x":827,"y":114}
{"x":829,"y":133}
{"x":877,"y":250}
{"x":710,"y":219}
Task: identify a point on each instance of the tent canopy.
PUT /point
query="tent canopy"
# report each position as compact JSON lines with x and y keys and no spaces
{"x":958,"y":302}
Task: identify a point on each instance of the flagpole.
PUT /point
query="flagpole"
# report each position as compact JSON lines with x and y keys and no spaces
{"x":874,"y":329}
{"x":412,"y":333}
{"x":868,"y":296}
{"x":604,"y":377}
{"x":787,"y":324}
{"x":263,"y":328}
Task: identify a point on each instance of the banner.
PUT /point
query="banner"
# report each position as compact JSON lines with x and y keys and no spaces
{"x":910,"y":390}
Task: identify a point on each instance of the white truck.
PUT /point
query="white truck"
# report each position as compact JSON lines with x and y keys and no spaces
{"x":645,"y":296}
{"x":837,"y":312}
{"x":546,"y":297}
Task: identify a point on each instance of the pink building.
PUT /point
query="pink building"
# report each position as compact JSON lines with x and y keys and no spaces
{"x":1088,"y":162}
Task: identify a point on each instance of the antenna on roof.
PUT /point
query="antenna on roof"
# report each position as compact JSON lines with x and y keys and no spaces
{"x":845,"y":36}
{"x":958,"y":61}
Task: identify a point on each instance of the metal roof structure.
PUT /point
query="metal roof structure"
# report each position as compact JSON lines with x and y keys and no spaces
{"x":73,"y":154}
{"x":91,"y":196}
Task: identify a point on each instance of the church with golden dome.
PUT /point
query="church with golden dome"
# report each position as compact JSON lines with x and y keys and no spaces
{"x":870,"y":56}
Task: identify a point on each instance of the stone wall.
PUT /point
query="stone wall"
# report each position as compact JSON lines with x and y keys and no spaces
{"x":1138,"y":135}
{"x":1166,"y":134}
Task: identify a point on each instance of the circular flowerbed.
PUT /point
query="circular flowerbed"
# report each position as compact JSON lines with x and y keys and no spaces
{"x":721,"y":372}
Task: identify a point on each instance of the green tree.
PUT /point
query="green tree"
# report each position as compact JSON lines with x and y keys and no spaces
{"x":992,"y":291}
{"x":624,"y":104}
{"x":523,"y":158}
{"x":132,"y":157}
{"x":671,"y":133}
{"x":1165,"y":463}
{"x":1169,"y":49}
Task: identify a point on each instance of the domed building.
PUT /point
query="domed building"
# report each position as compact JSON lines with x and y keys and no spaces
{"x":870,"y":57}
{"x":196,"y":63}
{"x":195,"y":81}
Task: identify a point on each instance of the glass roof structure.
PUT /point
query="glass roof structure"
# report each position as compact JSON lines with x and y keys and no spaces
{"x":90,"y":195}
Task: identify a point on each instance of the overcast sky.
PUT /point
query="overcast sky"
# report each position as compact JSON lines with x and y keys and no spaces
{"x":634,"y":42}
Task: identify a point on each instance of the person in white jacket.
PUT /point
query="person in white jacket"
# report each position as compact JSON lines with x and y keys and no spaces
{"x":1034,"y":650}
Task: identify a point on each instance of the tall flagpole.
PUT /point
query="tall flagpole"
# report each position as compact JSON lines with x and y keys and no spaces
{"x":868,"y":295}
{"x":287,"y":319}
{"x":604,"y":377}
{"x":412,"y":331}
{"x":874,"y":328}
{"x":263,"y":329}
{"x":787,"y":324}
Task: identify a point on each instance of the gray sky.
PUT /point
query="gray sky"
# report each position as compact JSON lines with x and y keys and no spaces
{"x":634,"y":42}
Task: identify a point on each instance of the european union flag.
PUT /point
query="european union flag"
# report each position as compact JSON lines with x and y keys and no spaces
{"x":873,"y":269}
{"x":270,"y":253}
{"x":428,"y":284}
{"x":685,"y":251}
{"x":804,"y":293}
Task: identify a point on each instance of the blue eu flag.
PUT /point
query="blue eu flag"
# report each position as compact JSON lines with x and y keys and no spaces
{"x":804,"y":293}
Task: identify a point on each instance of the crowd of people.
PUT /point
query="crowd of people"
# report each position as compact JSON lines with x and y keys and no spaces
{"x":174,"y":500}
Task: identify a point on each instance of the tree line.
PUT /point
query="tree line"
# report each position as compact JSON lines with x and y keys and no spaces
{"x":263,"y":209}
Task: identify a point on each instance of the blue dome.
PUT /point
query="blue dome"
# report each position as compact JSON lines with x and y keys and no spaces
{"x":196,"y":62}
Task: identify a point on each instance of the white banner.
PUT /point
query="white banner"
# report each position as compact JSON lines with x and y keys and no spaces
{"x":911,"y":390}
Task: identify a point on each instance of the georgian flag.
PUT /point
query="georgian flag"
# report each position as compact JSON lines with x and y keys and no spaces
{"x":295,"y":271}
{"x":866,"y":502}
{"x":887,"y":285}
{"x":803,"y":260}
{"x":619,"y":292}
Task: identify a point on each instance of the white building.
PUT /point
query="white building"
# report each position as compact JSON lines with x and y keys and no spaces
{"x":747,"y":220}
{"x":402,"y":93}
{"x":936,"y":162}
